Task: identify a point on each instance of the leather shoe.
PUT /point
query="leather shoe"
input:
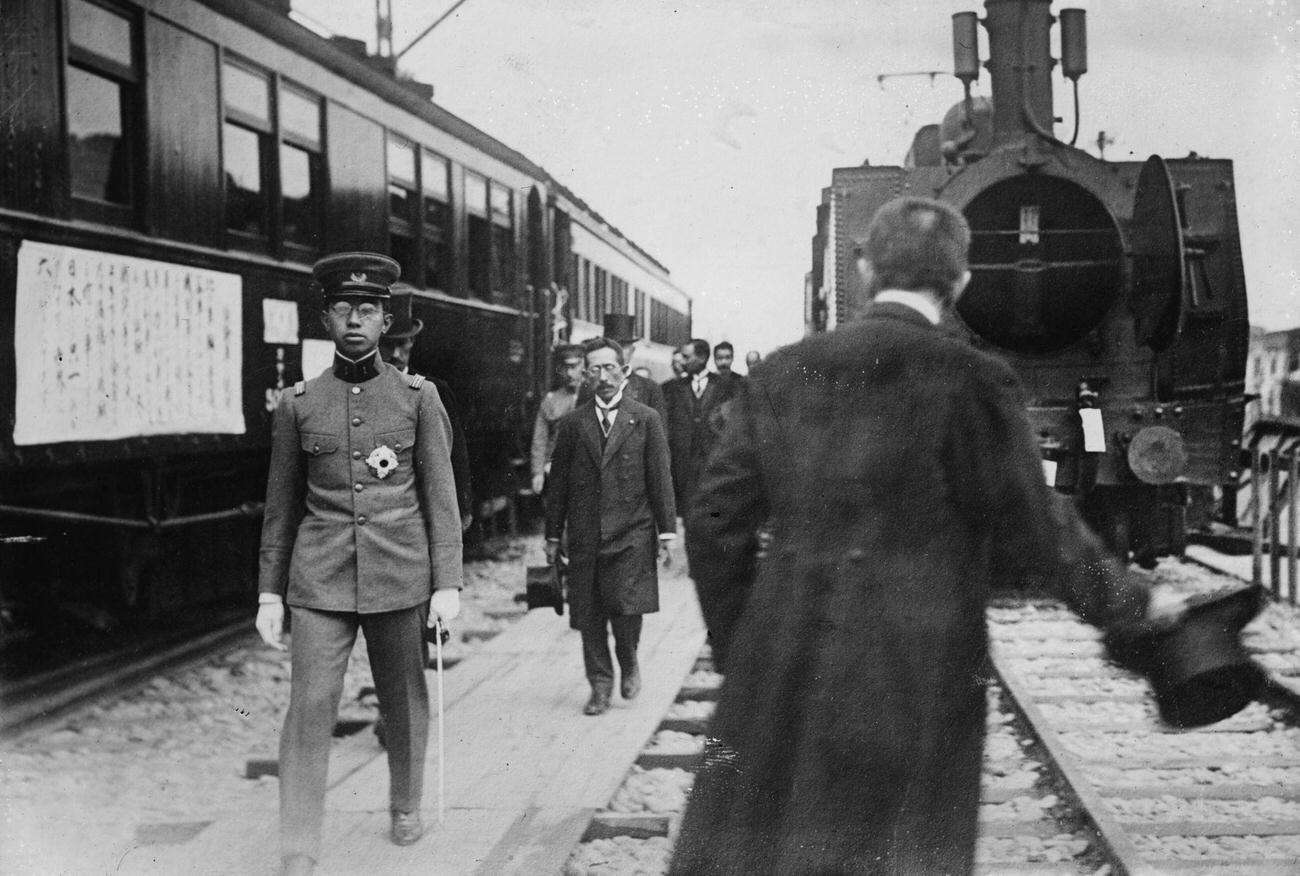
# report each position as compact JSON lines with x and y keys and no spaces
{"x":631,"y":684}
{"x":598,"y":704}
{"x":298,"y":865}
{"x":407,"y":827}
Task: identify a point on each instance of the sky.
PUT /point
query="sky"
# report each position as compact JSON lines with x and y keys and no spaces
{"x":705,"y":130}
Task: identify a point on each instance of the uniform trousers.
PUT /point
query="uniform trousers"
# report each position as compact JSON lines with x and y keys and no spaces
{"x":595,"y":649}
{"x":320,"y":645}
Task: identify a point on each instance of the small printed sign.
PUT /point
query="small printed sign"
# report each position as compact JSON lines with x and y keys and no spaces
{"x":317,"y":357}
{"x":1049,"y":472}
{"x":279,"y":321}
{"x":1094,"y":434}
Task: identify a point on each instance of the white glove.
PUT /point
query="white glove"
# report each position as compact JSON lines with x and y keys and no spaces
{"x":444,"y":605}
{"x":539,"y":481}
{"x":270,"y":624}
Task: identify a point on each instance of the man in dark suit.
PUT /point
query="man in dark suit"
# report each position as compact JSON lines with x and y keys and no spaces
{"x":610,"y":495}
{"x":621,"y":329}
{"x":693,"y":400}
{"x":396,"y":346}
{"x":361,"y":531}
{"x":894,"y":465}
{"x":724,"y":354}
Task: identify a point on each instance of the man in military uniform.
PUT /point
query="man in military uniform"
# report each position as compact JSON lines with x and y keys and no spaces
{"x":361,"y":527}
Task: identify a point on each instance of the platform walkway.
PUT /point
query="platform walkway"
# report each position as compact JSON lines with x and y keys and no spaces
{"x":525,"y":769}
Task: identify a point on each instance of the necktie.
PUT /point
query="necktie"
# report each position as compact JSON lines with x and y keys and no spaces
{"x":605,"y":424}
{"x":698,"y":385}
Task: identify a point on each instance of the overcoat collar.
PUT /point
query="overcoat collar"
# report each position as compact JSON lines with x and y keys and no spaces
{"x":893,"y":310}
{"x":622,"y":427}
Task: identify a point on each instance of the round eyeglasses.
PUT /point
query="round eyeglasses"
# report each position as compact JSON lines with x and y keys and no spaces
{"x":366,"y":310}
{"x":607,"y":368}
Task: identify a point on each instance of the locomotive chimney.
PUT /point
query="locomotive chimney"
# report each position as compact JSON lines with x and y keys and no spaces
{"x":1020,"y":66}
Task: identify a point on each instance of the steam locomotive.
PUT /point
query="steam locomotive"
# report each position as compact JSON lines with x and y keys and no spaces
{"x":1114,"y":289}
{"x":169,"y":171}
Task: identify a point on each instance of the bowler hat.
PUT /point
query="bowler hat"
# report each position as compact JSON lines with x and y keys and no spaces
{"x":1199,"y":670}
{"x":404,"y":325}
{"x":620,"y":327}
{"x":367,"y":274}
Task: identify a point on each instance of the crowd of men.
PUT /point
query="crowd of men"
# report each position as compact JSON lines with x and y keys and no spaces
{"x":885,"y":471}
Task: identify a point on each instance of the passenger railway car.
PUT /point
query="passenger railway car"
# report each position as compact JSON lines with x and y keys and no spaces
{"x":1115,"y":289}
{"x":170,"y":170}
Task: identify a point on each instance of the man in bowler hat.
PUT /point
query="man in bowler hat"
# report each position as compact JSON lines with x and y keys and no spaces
{"x":361,"y":531}
{"x":621,"y":329}
{"x":396,"y":346}
{"x":611,"y":494}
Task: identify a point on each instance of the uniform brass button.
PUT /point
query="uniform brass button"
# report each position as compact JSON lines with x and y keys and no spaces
{"x":361,"y":520}
{"x":358,"y":487}
{"x":356,"y":421}
{"x":356,"y":390}
{"x":356,"y":454}
{"x":857,"y":555}
{"x":315,"y":448}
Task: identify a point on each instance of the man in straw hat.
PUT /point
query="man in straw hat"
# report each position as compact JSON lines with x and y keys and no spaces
{"x":361,"y":531}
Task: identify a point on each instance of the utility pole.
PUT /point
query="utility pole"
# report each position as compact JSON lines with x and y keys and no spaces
{"x":384,"y":28}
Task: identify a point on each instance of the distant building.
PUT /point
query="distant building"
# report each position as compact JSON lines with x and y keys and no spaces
{"x":1273,"y":373}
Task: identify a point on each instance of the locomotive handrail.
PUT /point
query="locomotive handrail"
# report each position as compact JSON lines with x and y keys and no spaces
{"x":246,"y":509}
{"x":1042,"y":232}
{"x":1039,"y":265}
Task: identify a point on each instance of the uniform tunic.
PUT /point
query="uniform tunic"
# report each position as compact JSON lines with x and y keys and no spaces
{"x":336,"y":536}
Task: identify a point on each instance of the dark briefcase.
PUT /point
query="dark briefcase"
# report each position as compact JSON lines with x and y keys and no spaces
{"x":545,"y":587}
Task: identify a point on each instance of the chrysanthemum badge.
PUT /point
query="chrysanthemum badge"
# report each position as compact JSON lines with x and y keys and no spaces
{"x":382,"y":460}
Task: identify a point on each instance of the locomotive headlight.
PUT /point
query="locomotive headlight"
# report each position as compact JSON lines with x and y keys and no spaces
{"x":1157,"y":455}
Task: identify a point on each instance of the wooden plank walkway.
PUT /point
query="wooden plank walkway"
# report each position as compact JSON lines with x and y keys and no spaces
{"x":526,"y":769}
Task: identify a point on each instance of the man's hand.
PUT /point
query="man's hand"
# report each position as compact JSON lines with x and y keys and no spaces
{"x":666,"y":552}
{"x":466,"y":521}
{"x":270,"y":624}
{"x":444,"y":605}
{"x":552,"y":552}
{"x":539,"y":481}
{"x":1166,"y":607}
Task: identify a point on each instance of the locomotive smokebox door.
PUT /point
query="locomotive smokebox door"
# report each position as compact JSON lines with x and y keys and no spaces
{"x":1156,"y":242}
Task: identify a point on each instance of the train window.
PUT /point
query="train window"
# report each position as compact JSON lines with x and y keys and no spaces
{"x":241,"y":152}
{"x":103,"y":32}
{"x":437,"y":220}
{"x":503,"y":244}
{"x":247,"y":152}
{"x":479,"y":236}
{"x":247,"y":93}
{"x":638,"y":320}
{"x":301,"y":195}
{"x":403,"y":218}
{"x":102,"y":85}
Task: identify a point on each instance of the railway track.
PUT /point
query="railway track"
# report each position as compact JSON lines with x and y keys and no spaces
{"x":31,"y":702}
{"x":1080,"y":776}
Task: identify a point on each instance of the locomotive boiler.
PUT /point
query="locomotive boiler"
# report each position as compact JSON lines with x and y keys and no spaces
{"x":1114,"y":288}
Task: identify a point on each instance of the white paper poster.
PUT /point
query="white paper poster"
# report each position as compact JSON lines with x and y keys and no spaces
{"x":317,"y":357}
{"x":279,"y":321}
{"x":110,"y":346}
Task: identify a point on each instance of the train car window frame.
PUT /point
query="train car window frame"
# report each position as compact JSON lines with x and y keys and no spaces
{"x":89,"y":65}
{"x":501,"y":207}
{"x":639,"y":315}
{"x":435,"y":209}
{"x":300,"y":239}
{"x":237,"y":120}
{"x":403,"y":187}
{"x":478,"y":235}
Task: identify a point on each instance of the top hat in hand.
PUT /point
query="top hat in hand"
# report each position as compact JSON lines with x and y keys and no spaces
{"x":1200,"y":672}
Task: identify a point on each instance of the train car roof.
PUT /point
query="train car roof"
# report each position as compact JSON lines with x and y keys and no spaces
{"x":259,"y":16}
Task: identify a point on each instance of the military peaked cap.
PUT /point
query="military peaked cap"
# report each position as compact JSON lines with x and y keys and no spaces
{"x":355,"y":273}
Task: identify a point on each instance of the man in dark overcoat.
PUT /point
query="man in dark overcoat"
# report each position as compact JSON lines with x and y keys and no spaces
{"x":361,"y":532}
{"x":610,"y":497}
{"x":620,"y":328}
{"x":895,"y":467}
{"x":693,"y":402}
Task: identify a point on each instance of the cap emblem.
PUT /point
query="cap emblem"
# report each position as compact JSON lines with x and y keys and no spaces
{"x":359,"y":277}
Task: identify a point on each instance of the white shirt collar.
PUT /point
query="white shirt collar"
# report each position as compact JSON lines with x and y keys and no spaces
{"x":918,"y":301}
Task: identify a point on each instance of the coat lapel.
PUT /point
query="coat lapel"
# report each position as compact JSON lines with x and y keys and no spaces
{"x":623,"y":425}
{"x":589,"y":429}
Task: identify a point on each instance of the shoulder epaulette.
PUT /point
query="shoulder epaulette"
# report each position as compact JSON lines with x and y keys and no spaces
{"x":415,"y":380}
{"x":300,"y":387}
